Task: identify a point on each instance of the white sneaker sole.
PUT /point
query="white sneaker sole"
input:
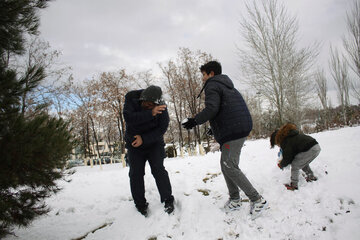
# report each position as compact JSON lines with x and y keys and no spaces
{"x":255,"y":215}
{"x":232,"y":209}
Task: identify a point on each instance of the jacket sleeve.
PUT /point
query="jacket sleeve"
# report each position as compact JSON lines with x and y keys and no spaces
{"x":288,"y":156}
{"x":156,"y":134}
{"x":212,"y":105}
{"x":133,"y":117}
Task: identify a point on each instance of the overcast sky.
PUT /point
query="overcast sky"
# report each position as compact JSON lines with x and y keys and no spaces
{"x":96,"y":36}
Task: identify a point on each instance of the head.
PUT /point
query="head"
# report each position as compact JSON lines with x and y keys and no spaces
{"x":272,"y":138}
{"x":150,"y":97}
{"x":210,"y":69}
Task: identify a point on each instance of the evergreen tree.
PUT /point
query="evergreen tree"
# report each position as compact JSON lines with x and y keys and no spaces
{"x":33,"y":149}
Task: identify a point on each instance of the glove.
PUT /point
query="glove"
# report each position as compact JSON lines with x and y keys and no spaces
{"x":209,"y":132}
{"x":189,"y":124}
{"x":279,"y":165}
{"x":280,"y":156}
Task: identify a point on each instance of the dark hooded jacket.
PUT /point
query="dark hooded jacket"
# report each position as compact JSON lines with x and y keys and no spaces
{"x":292,"y":142}
{"x":226,"y":110}
{"x":141,"y":122}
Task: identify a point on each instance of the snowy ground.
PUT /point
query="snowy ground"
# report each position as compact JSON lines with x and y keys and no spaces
{"x":326,"y":209}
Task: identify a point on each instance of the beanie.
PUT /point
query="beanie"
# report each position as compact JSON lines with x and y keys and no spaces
{"x":151,"y":94}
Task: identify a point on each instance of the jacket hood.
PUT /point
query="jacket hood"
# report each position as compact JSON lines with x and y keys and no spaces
{"x":221,"y":78}
{"x":134,"y":94}
{"x":286,"y":130}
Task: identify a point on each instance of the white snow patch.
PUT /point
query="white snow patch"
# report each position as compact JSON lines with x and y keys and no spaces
{"x":326,"y":209}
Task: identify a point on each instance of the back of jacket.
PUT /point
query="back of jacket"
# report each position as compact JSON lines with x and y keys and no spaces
{"x":226,"y":110}
{"x":141,"y":122}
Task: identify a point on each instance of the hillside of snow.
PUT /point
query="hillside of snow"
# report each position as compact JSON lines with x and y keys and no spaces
{"x":97,"y":204}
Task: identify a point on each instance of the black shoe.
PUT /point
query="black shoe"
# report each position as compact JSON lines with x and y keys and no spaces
{"x":169,"y":205}
{"x":143,"y":209}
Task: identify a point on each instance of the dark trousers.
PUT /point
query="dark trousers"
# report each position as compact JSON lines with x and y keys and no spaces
{"x":137,"y":159}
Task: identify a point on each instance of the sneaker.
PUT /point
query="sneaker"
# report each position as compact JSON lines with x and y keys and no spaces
{"x":291,"y":187}
{"x":169,"y":205}
{"x":311,"y":178}
{"x":257,"y":207}
{"x":143,"y":209}
{"x":232,"y":204}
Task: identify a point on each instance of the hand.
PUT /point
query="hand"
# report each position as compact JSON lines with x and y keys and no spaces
{"x":158,"y":110}
{"x":209,"y":132}
{"x":279,"y":165}
{"x":137,"y":142}
{"x":189,"y":124}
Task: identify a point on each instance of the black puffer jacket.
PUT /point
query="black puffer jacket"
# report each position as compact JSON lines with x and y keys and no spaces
{"x":141,"y":122}
{"x":226,"y":110}
{"x":292,"y":142}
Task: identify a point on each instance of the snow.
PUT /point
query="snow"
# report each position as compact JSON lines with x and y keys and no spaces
{"x":326,"y":209}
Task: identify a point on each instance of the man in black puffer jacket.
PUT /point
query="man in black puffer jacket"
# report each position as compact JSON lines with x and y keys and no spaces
{"x":231,"y":123}
{"x":147,"y":120}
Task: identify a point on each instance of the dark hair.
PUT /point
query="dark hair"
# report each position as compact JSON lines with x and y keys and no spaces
{"x":272,"y":138}
{"x":211,"y":66}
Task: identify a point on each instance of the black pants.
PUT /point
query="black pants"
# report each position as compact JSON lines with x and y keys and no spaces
{"x":137,"y":159}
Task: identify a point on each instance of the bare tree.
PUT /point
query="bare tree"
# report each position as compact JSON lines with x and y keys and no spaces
{"x":351,"y":43}
{"x":272,"y":62}
{"x":254,"y":104}
{"x":339,"y":73}
{"x":39,"y":55}
{"x":322,"y":89}
{"x":81,"y":130}
{"x":173,"y":84}
{"x":189,"y":64}
{"x":183,"y":80}
{"x":110,"y":133}
{"x":113,"y":87}
{"x":144,"y":79}
{"x":85,"y":97}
